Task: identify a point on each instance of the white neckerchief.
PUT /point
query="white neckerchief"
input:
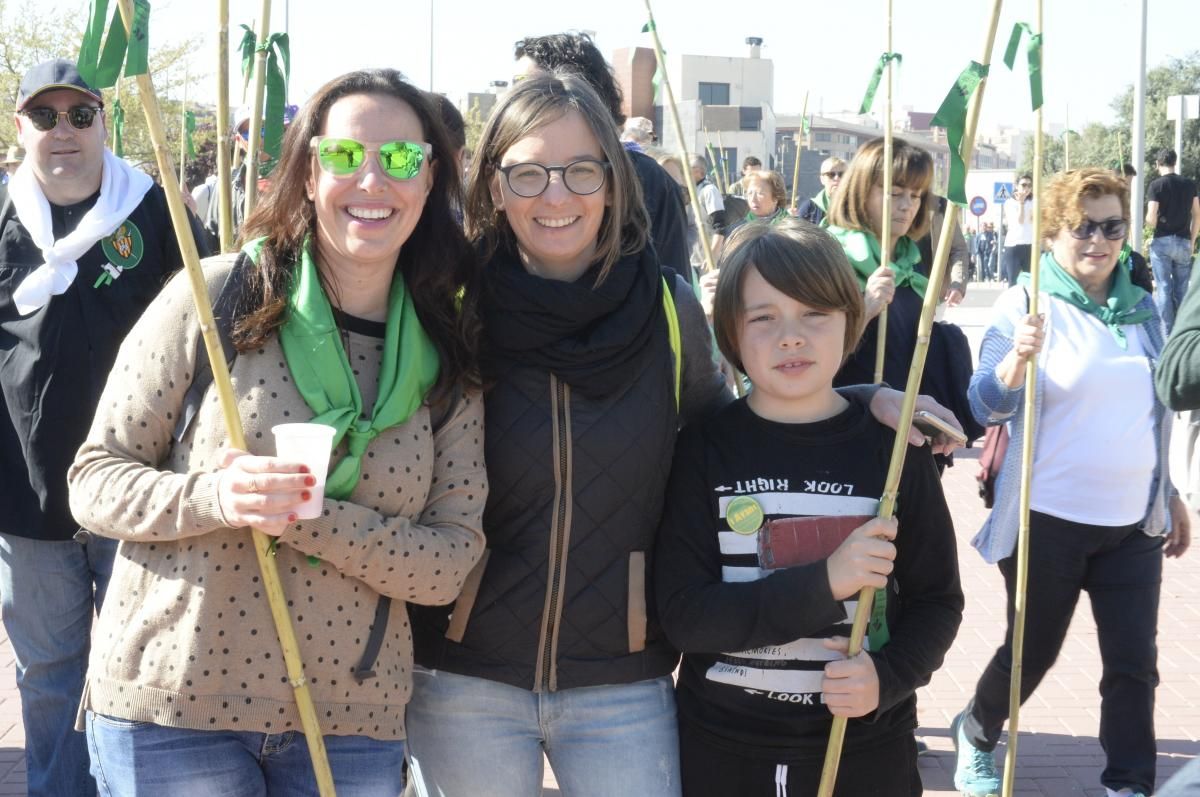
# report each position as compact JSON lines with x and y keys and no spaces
{"x":121,"y":190}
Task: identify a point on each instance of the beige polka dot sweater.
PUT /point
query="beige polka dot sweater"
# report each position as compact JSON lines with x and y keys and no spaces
{"x":186,"y":638}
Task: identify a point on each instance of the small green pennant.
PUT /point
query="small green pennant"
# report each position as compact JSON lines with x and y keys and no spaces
{"x":189,"y":127}
{"x":952,"y":115}
{"x":1034,"y":49}
{"x":117,"y":114}
{"x":101,"y":66}
{"x":876,"y":76}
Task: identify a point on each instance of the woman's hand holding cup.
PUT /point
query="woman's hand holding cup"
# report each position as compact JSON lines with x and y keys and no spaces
{"x":263,"y":492}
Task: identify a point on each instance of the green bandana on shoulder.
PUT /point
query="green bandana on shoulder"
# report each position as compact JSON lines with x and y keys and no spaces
{"x":317,"y":361}
{"x":773,"y":219}
{"x":1123,"y":295}
{"x":862,"y":250}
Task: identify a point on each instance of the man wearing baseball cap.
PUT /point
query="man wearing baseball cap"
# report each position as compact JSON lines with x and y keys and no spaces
{"x":85,"y":244}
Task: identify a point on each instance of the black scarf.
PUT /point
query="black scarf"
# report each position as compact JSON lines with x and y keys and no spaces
{"x":597,"y":339}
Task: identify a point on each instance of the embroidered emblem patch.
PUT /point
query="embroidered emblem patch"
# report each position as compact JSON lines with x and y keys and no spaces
{"x":124,"y":250}
{"x":744,"y":515}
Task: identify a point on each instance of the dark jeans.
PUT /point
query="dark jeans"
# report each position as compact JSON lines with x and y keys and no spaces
{"x":888,"y":770}
{"x":1016,"y":260}
{"x":1121,"y":570}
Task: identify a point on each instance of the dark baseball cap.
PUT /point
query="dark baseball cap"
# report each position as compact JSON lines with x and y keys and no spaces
{"x":50,"y":75}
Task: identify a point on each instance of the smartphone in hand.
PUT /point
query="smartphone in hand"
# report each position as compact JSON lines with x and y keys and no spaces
{"x":934,"y":427}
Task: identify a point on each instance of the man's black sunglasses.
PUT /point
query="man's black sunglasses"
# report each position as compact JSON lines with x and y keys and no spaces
{"x":80,"y":117}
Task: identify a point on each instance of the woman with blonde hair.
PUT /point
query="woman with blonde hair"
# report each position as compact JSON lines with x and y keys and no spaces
{"x":1104,"y":512}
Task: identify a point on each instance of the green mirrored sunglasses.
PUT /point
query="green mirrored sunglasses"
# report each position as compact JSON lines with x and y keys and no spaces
{"x":400,"y":160}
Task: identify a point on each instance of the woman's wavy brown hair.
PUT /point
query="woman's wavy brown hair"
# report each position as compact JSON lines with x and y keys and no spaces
{"x":1062,"y":202}
{"x":912,"y":167}
{"x":439,"y":266}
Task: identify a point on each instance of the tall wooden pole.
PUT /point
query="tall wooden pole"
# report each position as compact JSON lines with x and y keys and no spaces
{"x":224,"y":168}
{"x":256,"y":109}
{"x":237,"y":439}
{"x":885,"y":233}
{"x":724,"y":165}
{"x":1020,"y":588}
{"x":887,"y":502}
{"x":799,"y":149}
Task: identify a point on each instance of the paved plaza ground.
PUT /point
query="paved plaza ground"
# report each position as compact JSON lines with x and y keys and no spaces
{"x":1059,"y":752}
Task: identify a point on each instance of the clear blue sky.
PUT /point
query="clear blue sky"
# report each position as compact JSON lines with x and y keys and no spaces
{"x":827,"y":48}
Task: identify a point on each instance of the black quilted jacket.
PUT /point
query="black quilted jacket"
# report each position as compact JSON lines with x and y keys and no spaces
{"x":562,"y":598}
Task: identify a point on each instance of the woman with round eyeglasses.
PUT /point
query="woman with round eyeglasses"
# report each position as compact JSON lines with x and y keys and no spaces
{"x":1104,"y":512}
{"x":346,"y":311}
{"x":766,"y":196}
{"x":593,"y":356}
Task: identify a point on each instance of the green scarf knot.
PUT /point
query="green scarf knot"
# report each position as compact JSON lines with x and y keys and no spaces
{"x":1120,"y":308}
{"x":862,"y":250}
{"x":320,"y":369}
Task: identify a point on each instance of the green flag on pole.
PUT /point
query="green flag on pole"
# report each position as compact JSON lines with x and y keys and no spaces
{"x":1034,"y":49}
{"x":101,"y":66}
{"x":117,"y":114}
{"x":278,"y":71}
{"x":876,"y":76}
{"x":952,"y":115}
{"x":189,"y":127}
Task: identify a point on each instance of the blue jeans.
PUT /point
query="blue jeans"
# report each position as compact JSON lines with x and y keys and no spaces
{"x":471,"y":736}
{"x":49,"y":592}
{"x":1171,"y":262}
{"x":143,"y":759}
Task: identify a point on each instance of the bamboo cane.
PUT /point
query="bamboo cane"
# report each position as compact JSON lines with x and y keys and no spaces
{"x":224,"y":169}
{"x":684,"y":154}
{"x":885,"y":233}
{"x":686,"y":157}
{"x":256,"y":109}
{"x":724,"y":163}
{"x":799,"y":149}
{"x":224,"y":387}
{"x":887,"y":501}
{"x":1066,"y":143}
{"x":183,"y":134}
{"x":1022,"y":579}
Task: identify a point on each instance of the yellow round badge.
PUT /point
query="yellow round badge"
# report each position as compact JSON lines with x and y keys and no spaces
{"x":744,"y":515}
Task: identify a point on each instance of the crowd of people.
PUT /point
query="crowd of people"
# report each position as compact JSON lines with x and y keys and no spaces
{"x":550,"y":530}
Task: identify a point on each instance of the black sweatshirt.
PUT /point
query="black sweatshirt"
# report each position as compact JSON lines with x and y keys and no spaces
{"x":714,"y":600}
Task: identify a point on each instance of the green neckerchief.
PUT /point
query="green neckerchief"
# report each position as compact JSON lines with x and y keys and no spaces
{"x":821,"y":200}
{"x":1123,"y":296}
{"x":313,"y":349}
{"x":773,"y":219}
{"x":862,"y":249}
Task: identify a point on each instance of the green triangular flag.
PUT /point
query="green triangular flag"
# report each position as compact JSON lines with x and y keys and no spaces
{"x":101,"y":66}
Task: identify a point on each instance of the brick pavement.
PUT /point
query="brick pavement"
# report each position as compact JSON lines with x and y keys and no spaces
{"x":1059,"y":753}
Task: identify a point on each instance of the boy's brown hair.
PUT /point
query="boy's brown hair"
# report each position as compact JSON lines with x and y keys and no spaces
{"x":797,"y":259}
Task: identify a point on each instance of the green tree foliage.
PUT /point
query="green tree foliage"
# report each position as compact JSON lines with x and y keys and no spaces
{"x":31,"y":33}
{"x":1109,"y":146}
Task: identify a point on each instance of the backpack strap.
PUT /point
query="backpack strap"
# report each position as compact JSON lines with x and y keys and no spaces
{"x":674,"y":337}
{"x":223,"y":311}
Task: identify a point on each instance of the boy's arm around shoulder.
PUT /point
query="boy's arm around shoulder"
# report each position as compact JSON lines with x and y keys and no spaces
{"x":698,"y":611}
{"x":930,"y":595}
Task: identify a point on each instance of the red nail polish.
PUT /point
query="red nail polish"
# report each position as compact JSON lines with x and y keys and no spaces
{"x":292,"y":518}
{"x":310,"y":481}
{"x":304,"y":469}
{"x":305,"y":495}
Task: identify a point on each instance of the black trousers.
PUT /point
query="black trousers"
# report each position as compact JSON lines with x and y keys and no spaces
{"x":888,"y":770}
{"x":1014,"y":261}
{"x":1121,"y":570}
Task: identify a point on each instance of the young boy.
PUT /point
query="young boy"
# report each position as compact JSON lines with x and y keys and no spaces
{"x":745,"y":582}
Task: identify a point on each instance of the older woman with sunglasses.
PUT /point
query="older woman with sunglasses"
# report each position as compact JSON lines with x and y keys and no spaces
{"x":346,"y":313}
{"x":594,"y":356}
{"x":1103,"y":510}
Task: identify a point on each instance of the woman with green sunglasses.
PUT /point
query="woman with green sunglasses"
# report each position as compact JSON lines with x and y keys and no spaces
{"x":346,"y":312}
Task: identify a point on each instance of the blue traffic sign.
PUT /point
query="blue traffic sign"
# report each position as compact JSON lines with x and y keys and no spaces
{"x":1002,"y":192}
{"x":978,"y":205}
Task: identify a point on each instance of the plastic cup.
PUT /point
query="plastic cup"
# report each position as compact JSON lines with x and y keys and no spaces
{"x":311,"y":444}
